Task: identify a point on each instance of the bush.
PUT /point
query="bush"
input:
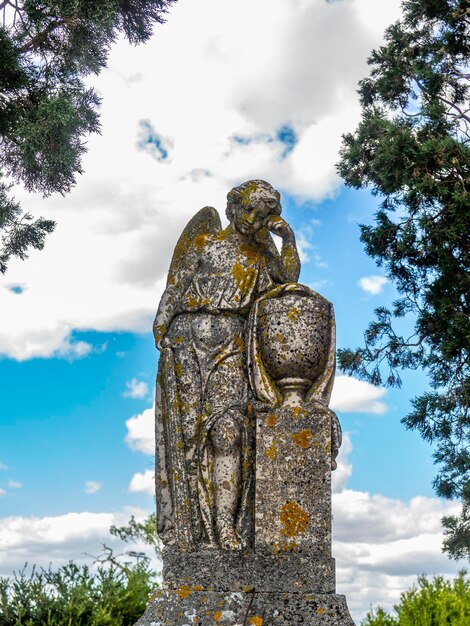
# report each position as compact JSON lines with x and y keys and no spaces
{"x":435,"y":602}
{"x":75,"y":596}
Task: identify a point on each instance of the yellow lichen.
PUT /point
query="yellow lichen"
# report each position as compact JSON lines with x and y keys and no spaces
{"x":192,"y":302}
{"x":245,"y":194}
{"x":294,"y":519}
{"x":217,"y":616}
{"x":240,"y":343}
{"x":293,"y":314}
{"x":178,"y":369}
{"x":271,"y":419}
{"x":242,"y":274}
{"x":200,"y":241}
{"x":298,"y":411}
{"x":249,"y":251}
{"x":184,"y":592}
{"x":160,"y":331}
{"x":303,"y":439}
{"x":256,"y":620}
{"x":271,"y":452}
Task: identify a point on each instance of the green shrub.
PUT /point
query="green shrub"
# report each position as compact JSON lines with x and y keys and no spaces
{"x":435,"y":602}
{"x":73,"y":595}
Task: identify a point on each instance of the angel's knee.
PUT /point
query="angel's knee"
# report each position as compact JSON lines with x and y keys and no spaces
{"x":226,"y":434}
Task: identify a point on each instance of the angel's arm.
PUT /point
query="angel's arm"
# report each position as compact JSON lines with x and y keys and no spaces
{"x":283,"y":267}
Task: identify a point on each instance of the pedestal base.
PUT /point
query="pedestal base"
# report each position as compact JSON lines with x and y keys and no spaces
{"x":236,"y":571}
{"x":186,"y":607}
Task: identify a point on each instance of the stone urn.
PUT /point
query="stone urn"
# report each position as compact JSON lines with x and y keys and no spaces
{"x":294,"y":336}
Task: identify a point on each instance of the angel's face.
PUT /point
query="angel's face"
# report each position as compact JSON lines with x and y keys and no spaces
{"x":250,"y":215}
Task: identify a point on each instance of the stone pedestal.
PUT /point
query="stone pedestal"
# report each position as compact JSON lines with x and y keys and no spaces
{"x":215,"y":571}
{"x":187,"y":606}
{"x":293,"y":482}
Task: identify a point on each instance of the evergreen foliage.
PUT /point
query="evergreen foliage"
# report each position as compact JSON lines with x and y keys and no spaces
{"x":47,"y":47}
{"x":115,"y":595}
{"x":412,"y":149}
{"x":435,"y":602}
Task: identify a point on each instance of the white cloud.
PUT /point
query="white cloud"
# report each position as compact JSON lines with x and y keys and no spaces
{"x":141,"y":431}
{"x":351,"y":395}
{"x":143,"y":482}
{"x":381,"y":545}
{"x":75,"y":349}
{"x":2,"y":492}
{"x":103,"y":268}
{"x":14,"y":484}
{"x":373,"y":284}
{"x":57,"y":539}
{"x":92,"y":486}
{"x":136,"y":389}
{"x":3,"y":466}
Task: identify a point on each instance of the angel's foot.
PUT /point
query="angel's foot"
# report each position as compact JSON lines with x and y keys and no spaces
{"x":229,"y":539}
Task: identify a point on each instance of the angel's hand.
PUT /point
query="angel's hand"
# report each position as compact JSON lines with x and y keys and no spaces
{"x":278,"y":226}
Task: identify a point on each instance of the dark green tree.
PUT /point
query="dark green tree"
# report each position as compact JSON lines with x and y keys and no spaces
{"x":47,"y":47}
{"x":412,"y":149}
{"x":435,"y":602}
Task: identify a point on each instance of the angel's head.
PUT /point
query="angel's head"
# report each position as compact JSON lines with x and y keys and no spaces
{"x":249,"y":204}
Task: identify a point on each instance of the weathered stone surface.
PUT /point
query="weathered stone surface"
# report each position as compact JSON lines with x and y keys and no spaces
{"x":245,"y":440}
{"x":293,"y":481}
{"x":235,"y":571}
{"x":204,"y":434}
{"x":186,"y":607}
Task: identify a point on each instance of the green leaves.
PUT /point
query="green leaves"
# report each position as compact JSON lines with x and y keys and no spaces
{"x":19,"y":232}
{"x":73,"y":595}
{"x":114,"y":594}
{"x":412,"y":148}
{"x":47,"y":47}
{"x":432,"y":602}
{"x":46,"y":146}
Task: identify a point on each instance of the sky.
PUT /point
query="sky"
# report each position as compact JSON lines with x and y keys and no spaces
{"x":224,"y":92}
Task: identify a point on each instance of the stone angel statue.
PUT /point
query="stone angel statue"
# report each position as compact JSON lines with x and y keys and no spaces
{"x":204,"y":425}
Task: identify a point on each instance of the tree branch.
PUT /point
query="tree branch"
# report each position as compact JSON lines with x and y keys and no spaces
{"x":462,"y":114}
{"x":42,"y":36}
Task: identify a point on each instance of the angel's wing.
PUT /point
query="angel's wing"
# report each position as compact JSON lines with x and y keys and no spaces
{"x":206,"y":221}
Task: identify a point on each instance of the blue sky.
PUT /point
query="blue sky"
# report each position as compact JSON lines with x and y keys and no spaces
{"x":78,"y":363}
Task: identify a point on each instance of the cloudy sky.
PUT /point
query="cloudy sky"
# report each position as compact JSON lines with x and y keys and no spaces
{"x":225,"y":91}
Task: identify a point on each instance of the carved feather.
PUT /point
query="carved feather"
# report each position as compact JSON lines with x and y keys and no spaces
{"x":206,"y":221}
